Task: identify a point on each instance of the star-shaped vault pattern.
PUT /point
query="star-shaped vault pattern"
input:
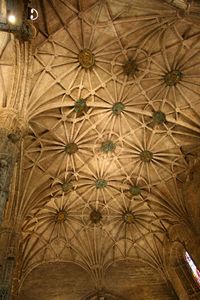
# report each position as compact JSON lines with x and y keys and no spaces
{"x":114,"y":98}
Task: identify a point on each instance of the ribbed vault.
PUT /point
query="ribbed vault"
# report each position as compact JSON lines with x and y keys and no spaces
{"x":114,"y":98}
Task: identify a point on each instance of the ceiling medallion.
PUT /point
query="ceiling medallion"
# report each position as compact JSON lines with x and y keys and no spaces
{"x":135,"y":190}
{"x":117,"y":108}
{"x":108,"y":146}
{"x":71,"y":148}
{"x":80,"y":107}
{"x":95,"y":216}
{"x":86,"y":58}
{"x":146,"y":156}
{"x":61,"y":216}
{"x":159,"y":117}
{"x":67,"y":186}
{"x":101,"y":183}
{"x":128,"y":217}
{"x":130,"y":67}
{"x":173,"y":77}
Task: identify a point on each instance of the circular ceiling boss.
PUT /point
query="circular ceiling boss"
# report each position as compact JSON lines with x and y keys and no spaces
{"x":101,"y":183}
{"x":128,"y":217}
{"x":60,"y":216}
{"x":67,"y":186}
{"x":117,"y":108}
{"x":135,"y":190}
{"x":173,"y":77}
{"x":159,"y":117}
{"x":130,"y":67}
{"x":108,"y":146}
{"x":80,"y":107}
{"x":71,"y":148}
{"x":86,"y":58}
{"x":146,"y":156}
{"x":95,"y":216}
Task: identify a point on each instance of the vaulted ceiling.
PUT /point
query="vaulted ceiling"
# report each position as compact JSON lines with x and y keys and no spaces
{"x":114,"y":99}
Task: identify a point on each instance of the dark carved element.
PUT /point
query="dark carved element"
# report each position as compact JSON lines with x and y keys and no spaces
{"x":135,"y":190}
{"x":146,"y":156}
{"x":80,"y":107}
{"x":71,"y":148}
{"x":61,"y":216}
{"x":173,"y":77}
{"x":117,"y":108}
{"x":101,"y":183}
{"x":95,"y":216}
{"x":130,"y":67}
{"x":14,"y":137}
{"x":27,"y":32}
{"x":128,"y":217}
{"x":108,"y":146}
{"x":67,"y":186}
{"x":159,"y":117}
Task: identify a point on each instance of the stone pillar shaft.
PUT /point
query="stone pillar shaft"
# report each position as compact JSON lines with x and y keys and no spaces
{"x":10,"y":135}
{"x":8,"y":156}
{"x":8,"y":250}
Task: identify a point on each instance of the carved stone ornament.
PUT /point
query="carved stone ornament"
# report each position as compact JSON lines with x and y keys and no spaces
{"x":173,"y":77}
{"x":12,"y":122}
{"x":27,"y":32}
{"x":86,"y":58}
{"x":108,"y":146}
{"x":130,"y":67}
{"x":101,"y":183}
{"x":117,"y":108}
{"x":67,"y":186}
{"x":95,"y":216}
{"x":80,"y":107}
{"x":146,"y":156}
{"x":135,"y":190}
{"x":14,"y":137}
{"x":61,"y":216}
{"x":128,"y":217}
{"x":71,"y":148}
{"x":159,"y":117}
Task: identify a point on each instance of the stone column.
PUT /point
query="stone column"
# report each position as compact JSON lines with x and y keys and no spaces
{"x":7,"y":161}
{"x":16,"y":72}
{"x":10,"y":135}
{"x":11,"y":130}
{"x":9,"y":241}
